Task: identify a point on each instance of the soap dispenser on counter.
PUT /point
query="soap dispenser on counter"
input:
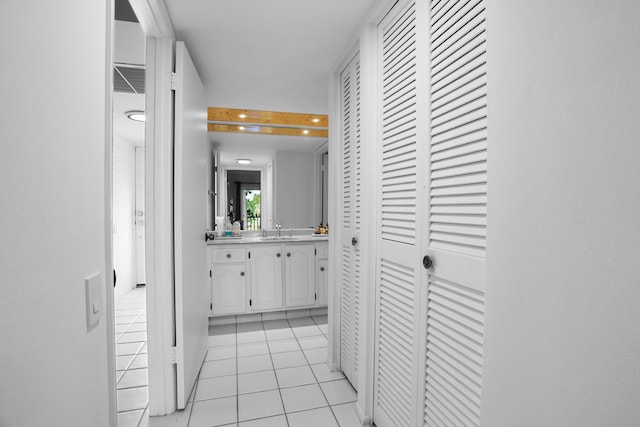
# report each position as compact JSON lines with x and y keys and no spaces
{"x":236,"y":229}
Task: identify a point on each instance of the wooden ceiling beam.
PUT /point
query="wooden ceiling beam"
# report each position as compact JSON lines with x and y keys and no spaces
{"x":268,"y":130}
{"x":273,"y":118}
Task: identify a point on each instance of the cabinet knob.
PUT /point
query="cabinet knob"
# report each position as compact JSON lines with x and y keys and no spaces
{"x":228,"y":255}
{"x":427,"y":262}
{"x":242,"y":273}
{"x":278,"y":255}
{"x":321,"y":268}
{"x":288,"y":254}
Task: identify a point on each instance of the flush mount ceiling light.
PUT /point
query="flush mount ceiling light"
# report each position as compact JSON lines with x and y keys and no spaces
{"x":135,"y":115}
{"x":243,"y":161}
{"x":241,"y":127}
{"x":315,"y":120}
{"x":306,"y":131}
{"x":242,"y":116}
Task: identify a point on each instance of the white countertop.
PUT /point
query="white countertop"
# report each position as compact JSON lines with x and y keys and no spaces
{"x":244,"y":240}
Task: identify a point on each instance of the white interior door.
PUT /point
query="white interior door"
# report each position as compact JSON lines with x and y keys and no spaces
{"x":457,"y":225}
{"x":350,"y":218}
{"x":190,"y":222}
{"x":399,"y":275}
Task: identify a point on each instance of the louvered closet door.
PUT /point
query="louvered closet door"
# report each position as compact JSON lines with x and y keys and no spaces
{"x":350,"y":219}
{"x":457,"y":212}
{"x":398,"y":266}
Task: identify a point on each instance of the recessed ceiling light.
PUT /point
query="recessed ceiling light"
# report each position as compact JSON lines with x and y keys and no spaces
{"x":306,"y":131}
{"x":316,"y":120}
{"x":243,"y":161}
{"x":135,"y":115}
{"x":241,"y":127}
{"x":242,"y":116}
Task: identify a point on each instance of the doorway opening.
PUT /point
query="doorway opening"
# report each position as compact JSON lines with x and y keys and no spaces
{"x":129,"y":215}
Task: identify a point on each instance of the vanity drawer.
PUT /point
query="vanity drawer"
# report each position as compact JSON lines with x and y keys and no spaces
{"x":228,"y":255}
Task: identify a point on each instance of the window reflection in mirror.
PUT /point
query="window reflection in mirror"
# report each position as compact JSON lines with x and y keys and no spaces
{"x":244,"y":198}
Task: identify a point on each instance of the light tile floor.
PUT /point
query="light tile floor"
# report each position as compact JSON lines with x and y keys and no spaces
{"x":271,"y":374}
{"x":131,"y":357}
{"x":261,"y":374}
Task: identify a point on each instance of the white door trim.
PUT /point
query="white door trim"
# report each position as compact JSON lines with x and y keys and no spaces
{"x":160,"y":45}
{"x":108,"y":217}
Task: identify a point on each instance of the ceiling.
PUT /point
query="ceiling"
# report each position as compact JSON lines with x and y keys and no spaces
{"x":266,"y":55}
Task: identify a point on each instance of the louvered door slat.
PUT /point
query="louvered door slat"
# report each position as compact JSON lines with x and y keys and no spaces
{"x":460,"y":180}
{"x":475,"y":157}
{"x":450,"y":209}
{"x":471,"y":90}
{"x":457,"y":213}
{"x":447,"y":26}
{"x":457,"y":388}
{"x":468,"y":72}
{"x":459,"y":147}
{"x":463,"y":106}
{"x":454,"y":52}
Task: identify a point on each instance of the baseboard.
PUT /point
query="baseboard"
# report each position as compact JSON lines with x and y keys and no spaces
{"x":365,"y":420}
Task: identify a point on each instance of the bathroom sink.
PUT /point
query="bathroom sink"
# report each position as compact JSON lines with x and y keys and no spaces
{"x":278,"y":238}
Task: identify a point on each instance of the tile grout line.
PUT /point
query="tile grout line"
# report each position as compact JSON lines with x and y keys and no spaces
{"x":321,"y":390}
{"x":312,"y":372}
{"x":284,"y":410}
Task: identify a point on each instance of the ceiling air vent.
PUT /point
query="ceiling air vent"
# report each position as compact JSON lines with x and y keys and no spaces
{"x":129,"y":79}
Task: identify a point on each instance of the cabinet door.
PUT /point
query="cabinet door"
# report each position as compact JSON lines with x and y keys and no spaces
{"x":322,"y":281}
{"x":300,"y":275}
{"x":266,"y":277}
{"x":229,"y":289}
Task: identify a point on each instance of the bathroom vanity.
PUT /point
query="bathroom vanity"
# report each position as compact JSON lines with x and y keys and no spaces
{"x":263,"y":274}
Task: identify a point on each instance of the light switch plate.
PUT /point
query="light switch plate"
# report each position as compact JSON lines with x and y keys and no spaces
{"x":92,"y":285}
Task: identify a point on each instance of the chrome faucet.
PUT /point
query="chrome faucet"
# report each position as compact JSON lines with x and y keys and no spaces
{"x":290,"y":232}
{"x":264,"y":233}
{"x":278,"y":228}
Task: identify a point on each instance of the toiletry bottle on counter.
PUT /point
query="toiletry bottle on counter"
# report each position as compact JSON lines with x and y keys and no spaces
{"x":236,"y":228}
{"x":228,"y":230}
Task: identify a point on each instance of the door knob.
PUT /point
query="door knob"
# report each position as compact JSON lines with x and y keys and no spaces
{"x":354,"y":241}
{"x":427,"y":262}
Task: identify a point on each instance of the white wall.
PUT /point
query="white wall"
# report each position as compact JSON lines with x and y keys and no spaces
{"x":562,"y":343}
{"x":294,"y":189}
{"x":52,"y":222}
{"x":123,"y":214}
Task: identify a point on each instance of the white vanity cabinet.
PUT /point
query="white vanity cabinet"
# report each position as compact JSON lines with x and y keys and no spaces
{"x":271,"y":276}
{"x":299,"y":275}
{"x":228,"y":281}
{"x":265,"y":263}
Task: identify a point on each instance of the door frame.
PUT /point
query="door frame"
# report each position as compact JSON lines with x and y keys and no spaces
{"x":160,"y":52}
